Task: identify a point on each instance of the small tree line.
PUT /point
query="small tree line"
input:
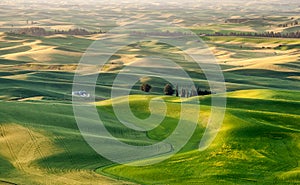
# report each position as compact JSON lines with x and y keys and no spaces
{"x":295,"y":34}
{"x":293,"y":23}
{"x":38,"y":31}
{"x":184,"y":92}
{"x":251,"y":34}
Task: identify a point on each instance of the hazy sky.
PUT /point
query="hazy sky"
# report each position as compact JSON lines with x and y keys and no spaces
{"x":248,"y":4}
{"x":149,"y":1}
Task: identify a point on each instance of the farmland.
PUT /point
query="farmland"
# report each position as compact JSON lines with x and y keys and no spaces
{"x":258,"y":142}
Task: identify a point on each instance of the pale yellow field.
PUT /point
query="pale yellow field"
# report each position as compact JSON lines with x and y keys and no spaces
{"x":294,"y":77}
{"x":56,"y":36}
{"x":17,"y":77}
{"x":36,"y":98}
{"x":243,"y":28}
{"x":46,"y":67}
{"x":37,"y":52}
{"x":268,"y":63}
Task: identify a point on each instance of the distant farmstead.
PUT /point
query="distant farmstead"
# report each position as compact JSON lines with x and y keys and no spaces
{"x":82,"y":94}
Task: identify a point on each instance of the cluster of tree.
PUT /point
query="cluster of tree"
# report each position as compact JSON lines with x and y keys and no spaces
{"x":190,"y":92}
{"x":162,"y":33}
{"x":241,"y":34}
{"x":251,"y":34}
{"x":236,"y":20}
{"x":76,"y":31}
{"x":31,"y":22}
{"x":146,"y":87}
{"x":34,"y":31}
{"x":168,"y":90}
{"x":203,"y":92}
{"x":38,"y":31}
{"x":179,"y":92}
{"x":293,"y":23}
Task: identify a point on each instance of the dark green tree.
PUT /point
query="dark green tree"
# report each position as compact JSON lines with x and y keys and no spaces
{"x":168,"y":90}
{"x":146,"y":87}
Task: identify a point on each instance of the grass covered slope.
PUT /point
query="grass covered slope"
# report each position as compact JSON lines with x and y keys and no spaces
{"x":255,"y":145}
{"x":41,"y":144}
{"x":46,"y":71}
{"x":40,"y":141}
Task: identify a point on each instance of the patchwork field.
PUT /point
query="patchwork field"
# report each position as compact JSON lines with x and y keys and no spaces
{"x":258,"y":142}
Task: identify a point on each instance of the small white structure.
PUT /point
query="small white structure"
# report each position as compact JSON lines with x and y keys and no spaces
{"x":82,"y":94}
